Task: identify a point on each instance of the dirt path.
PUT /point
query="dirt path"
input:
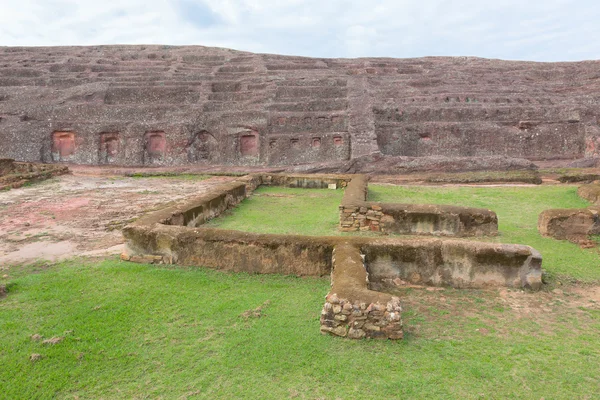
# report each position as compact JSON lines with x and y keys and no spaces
{"x":82,"y":214}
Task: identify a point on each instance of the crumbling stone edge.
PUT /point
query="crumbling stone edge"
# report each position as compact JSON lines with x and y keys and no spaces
{"x":351,"y":309}
{"x":358,"y":214}
{"x":574,"y":224}
{"x":14,"y":175}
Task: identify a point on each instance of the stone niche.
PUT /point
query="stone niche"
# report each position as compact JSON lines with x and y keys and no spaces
{"x":108,"y":147}
{"x":202,"y":147}
{"x":249,"y":144}
{"x":155,"y":147}
{"x":63,"y":145}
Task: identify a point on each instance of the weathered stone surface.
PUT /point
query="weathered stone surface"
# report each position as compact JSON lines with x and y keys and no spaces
{"x":384,"y":164}
{"x":172,"y":105}
{"x":356,"y":333}
{"x":570,"y":224}
{"x":419,"y":219}
{"x":16,"y":174}
{"x":462,"y":264}
{"x":590,"y":192}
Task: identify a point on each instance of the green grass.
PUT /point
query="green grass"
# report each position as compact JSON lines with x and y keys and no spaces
{"x":285,"y":211}
{"x":518,"y":209}
{"x":137,"y":331}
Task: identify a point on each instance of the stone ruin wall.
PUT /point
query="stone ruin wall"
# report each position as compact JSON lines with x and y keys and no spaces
{"x":574,"y":224}
{"x":363,"y":269}
{"x":17,"y":174}
{"x":165,"y":105}
{"x":358,"y":214}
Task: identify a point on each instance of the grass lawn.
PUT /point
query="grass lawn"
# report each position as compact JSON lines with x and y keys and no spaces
{"x":135,"y":331}
{"x":285,"y":211}
{"x":138,"y":331}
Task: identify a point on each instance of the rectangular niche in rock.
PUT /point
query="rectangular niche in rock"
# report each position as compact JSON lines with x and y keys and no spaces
{"x":249,"y":144}
{"x":109,"y":147}
{"x":63,"y":145}
{"x":155,"y":146}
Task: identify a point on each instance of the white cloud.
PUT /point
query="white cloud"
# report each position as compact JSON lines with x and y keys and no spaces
{"x":543,"y":30}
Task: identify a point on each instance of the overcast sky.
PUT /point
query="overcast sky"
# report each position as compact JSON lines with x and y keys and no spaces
{"x":540,"y":30}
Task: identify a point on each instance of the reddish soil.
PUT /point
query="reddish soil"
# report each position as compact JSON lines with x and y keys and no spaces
{"x":82,"y":213}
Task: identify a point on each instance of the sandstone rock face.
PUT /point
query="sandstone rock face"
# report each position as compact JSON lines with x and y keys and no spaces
{"x":569,"y":224}
{"x":165,"y":105}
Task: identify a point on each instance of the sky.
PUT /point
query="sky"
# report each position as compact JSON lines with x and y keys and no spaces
{"x":536,"y":30}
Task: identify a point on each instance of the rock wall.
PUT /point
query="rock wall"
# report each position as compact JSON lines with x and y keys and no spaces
{"x":357,"y":214}
{"x":570,"y":224}
{"x":590,"y":192}
{"x":166,"y":105}
{"x":16,"y":174}
{"x":351,"y":309}
{"x":176,"y":235}
{"x":574,"y":224}
{"x":459,"y":264}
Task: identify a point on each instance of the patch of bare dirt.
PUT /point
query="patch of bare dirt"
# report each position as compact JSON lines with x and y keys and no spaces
{"x":497,"y":312}
{"x":82,"y":213}
{"x":257,"y":312}
{"x":54,"y":340}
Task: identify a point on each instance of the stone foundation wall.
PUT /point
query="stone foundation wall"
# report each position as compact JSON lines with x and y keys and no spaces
{"x":575,"y":225}
{"x":454,"y":263}
{"x":229,"y":250}
{"x":16,"y":174}
{"x":589,"y":192}
{"x":357,"y":214}
{"x":570,"y":224}
{"x":418,"y":219}
{"x":308,"y":181}
{"x":351,"y":309}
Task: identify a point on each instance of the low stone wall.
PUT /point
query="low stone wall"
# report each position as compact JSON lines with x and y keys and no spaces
{"x":229,"y":250}
{"x":351,"y":309}
{"x":312,"y":181}
{"x":590,"y":192}
{"x":418,"y":219}
{"x":198,"y":210}
{"x":454,"y":263}
{"x":357,"y":214}
{"x":7,"y":165}
{"x":570,"y":224}
{"x":16,"y":174}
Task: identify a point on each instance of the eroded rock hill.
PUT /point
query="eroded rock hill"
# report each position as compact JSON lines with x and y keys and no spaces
{"x":165,"y":105}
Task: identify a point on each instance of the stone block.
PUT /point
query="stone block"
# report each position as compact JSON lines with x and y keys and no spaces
{"x":356,"y":333}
